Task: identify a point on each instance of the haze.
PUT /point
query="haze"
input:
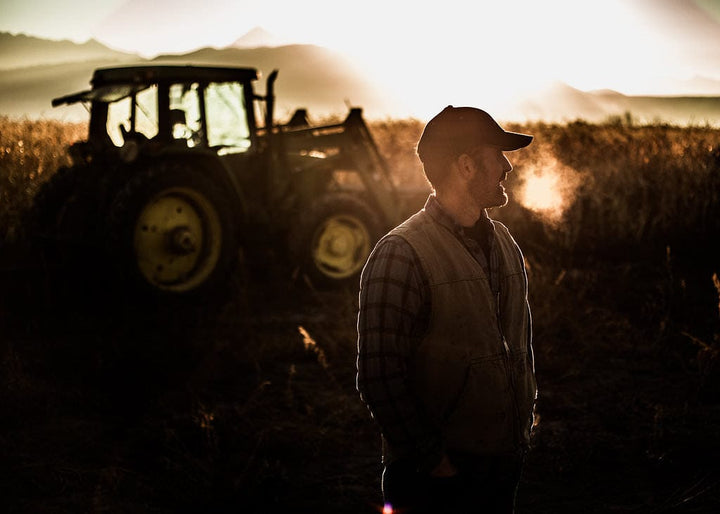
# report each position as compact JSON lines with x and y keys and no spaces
{"x":496,"y":51}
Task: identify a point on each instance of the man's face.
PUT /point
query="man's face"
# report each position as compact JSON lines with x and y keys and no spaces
{"x":492,"y":168}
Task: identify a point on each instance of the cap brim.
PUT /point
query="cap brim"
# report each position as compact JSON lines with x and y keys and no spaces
{"x":514,"y":141}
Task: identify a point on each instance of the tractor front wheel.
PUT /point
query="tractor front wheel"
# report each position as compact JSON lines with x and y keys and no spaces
{"x":334,"y":239}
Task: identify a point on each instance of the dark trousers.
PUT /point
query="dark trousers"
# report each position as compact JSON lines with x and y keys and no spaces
{"x":484,"y":485}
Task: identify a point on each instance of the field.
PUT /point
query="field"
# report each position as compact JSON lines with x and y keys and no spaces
{"x":110,"y":405}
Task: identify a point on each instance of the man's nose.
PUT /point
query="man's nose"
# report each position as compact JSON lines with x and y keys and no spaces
{"x":507,"y":167}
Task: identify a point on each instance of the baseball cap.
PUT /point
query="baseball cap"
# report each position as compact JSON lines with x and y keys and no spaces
{"x":458,"y":129}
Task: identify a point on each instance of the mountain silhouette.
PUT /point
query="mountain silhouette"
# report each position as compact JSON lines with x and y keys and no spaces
{"x":34,"y":71}
{"x":257,"y":37}
{"x":312,"y":77}
{"x":21,"y":51}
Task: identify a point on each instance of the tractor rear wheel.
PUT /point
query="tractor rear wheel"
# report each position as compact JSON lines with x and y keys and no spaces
{"x":171,"y":231}
{"x":334,"y":239}
{"x":61,"y":223}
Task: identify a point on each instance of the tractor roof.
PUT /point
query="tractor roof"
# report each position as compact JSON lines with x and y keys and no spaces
{"x":111,"y":84}
{"x":150,"y":74}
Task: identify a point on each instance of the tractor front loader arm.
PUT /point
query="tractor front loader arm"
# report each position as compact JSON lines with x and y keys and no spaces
{"x":350,"y":142}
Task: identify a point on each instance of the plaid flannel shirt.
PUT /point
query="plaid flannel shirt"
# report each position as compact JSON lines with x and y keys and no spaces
{"x":394,"y":311}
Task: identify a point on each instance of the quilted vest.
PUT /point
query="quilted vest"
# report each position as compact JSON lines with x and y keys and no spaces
{"x":473,"y":372}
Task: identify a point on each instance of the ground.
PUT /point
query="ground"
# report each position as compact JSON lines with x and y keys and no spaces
{"x":249,"y":404}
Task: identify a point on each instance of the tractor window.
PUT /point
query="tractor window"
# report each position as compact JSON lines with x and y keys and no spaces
{"x":146,"y":116}
{"x":119,"y":117}
{"x":227,"y":121}
{"x":185,"y":117}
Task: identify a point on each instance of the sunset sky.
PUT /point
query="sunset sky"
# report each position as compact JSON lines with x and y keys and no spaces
{"x":500,"y":48}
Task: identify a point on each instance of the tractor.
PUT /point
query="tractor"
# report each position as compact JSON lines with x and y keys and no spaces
{"x":185,"y":169}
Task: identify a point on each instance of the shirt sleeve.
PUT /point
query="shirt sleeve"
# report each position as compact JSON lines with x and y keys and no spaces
{"x":393,"y":315}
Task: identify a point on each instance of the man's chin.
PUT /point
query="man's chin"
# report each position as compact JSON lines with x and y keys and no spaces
{"x":502,"y":199}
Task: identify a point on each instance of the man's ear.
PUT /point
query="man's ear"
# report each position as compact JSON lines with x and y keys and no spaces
{"x":466,"y":166}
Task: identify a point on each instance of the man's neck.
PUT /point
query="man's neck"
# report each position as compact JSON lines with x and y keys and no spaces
{"x":463,"y":213}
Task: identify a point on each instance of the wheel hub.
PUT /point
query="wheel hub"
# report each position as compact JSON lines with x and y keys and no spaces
{"x":339,"y":243}
{"x":342,"y":244}
{"x":182,"y":241}
{"x":178,"y":239}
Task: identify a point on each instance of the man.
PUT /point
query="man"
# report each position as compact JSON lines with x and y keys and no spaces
{"x":445,"y":362}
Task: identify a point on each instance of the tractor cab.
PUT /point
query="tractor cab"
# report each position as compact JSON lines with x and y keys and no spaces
{"x":150,"y":108}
